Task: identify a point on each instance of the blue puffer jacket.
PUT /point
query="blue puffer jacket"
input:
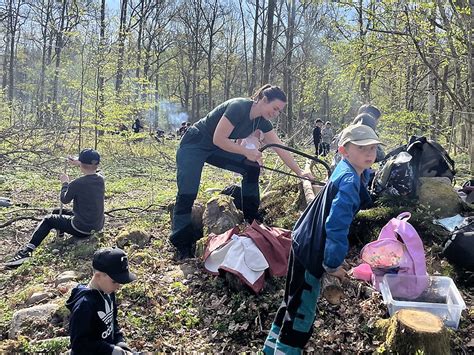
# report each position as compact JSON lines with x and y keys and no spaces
{"x":320,"y":234}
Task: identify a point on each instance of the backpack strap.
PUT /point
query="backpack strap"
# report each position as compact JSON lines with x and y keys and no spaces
{"x":413,"y":243}
{"x":404,"y":216}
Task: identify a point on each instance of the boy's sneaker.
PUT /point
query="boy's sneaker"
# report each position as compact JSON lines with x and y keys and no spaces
{"x":20,"y":257}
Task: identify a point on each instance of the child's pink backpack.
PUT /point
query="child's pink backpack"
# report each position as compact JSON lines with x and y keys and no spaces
{"x":398,"y":250}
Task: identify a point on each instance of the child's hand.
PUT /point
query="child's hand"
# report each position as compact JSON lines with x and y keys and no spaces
{"x":63,"y":178}
{"x":73,"y":161}
{"x":340,"y":273}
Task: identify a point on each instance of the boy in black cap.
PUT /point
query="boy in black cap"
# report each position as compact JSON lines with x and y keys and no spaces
{"x":93,"y":326}
{"x":87,"y":194}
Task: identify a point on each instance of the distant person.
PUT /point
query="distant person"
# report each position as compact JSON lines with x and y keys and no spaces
{"x":182,"y":130}
{"x":317,"y":136}
{"x":320,"y":241}
{"x":159,"y":135}
{"x":212,"y":140}
{"x":87,"y":194}
{"x":93,"y":325}
{"x":327,"y":134}
{"x":137,"y":126}
{"x":121,"y":128}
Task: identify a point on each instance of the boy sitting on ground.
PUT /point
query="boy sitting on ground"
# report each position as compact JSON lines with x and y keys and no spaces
{"x":93,"y":325}
{"x":320,"y":241}
{"x":87,"y":194}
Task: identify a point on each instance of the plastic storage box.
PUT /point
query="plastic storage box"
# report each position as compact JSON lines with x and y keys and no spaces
{"x":435,"y":294}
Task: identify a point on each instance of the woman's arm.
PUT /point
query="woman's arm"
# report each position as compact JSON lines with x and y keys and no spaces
{"x":272,"y":138}
{"x":221,"y":139}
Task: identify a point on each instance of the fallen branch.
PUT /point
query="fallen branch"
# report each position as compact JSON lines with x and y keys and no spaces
{"x":135,"y":209}
{"x":42,"y":210}
{"x":19,"y":218}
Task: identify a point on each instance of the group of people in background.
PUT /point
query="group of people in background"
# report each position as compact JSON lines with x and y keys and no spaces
{"x":325,"y":140}
{"x":322,"y":137}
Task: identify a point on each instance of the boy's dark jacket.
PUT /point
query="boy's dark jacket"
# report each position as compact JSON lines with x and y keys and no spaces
{"x":93,"y":326}
{"x":332,"y":211}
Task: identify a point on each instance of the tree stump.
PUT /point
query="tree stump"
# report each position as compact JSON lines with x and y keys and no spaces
{"x":411,"y":331}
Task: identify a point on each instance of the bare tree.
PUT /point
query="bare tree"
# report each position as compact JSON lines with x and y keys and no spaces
{"x":211,"y":12}
{"x":121,"y":46}
{"x":100,"y":100}
{"x":269,"y":41}
{"x":253,"y":81}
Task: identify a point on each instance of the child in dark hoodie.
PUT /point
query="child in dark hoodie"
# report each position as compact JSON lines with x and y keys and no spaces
{"x":87,"y":194}
{"x":93,"y":326}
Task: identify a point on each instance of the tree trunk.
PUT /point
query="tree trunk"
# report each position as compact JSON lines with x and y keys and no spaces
{"x":141,"y":23}
{"x":41,"y":90}
{"x":99,"y":105}
{"x":13,"y":23}
{"x":269,"y":42}
{"x":57,"y":53}
{"x":288,"y":68}
{"x":432,"y":80}
{"x":81,"y":98}
{"x":470,"y":115}
{"x":363,"y":56}
{"x":253,"y":81}
{"x":247,"y":84}
{"x":121,"y":47}
{"x":6,"y":55}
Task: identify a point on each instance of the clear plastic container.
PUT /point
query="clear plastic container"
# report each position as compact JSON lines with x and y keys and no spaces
{"x":435,"y":294}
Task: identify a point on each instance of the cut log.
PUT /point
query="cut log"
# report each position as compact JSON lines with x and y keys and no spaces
{"x":331,"y":288}
{"x":307,"y":186}
{"x":411,"y":331}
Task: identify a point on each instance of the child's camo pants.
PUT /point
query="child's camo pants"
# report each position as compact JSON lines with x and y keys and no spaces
{"x":293,"y":324}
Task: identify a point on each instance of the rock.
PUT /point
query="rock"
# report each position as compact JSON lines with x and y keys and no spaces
{"x":439,"y":197}
{"x":221,"y":215}
{"x":179,"y":273}
{"x":5,"y":202}
{"x":66,"y":287}
{"x":66,"y":276}
{"x":135,"y":236}
{"x":55,"y":251}
{"x":38,"y":297}
{"x":35,"y":314}
{"x":196,"y":215}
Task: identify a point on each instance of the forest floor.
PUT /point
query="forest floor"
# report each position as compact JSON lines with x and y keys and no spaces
{"x":173,"y":306}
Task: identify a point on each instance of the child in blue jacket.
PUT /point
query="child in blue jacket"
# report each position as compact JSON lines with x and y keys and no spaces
{"x":320,"y":241}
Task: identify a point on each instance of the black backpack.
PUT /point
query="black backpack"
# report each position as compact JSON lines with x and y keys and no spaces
{"x":433,"y":159}
{"x":396,"y":177}
{"x":459,"y":248}
{"x":399,"y":174}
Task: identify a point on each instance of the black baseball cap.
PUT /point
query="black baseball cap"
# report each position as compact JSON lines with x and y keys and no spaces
{"x":89,"y":156}
{"x":113,"y":262}
{"x":371,"y":110}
